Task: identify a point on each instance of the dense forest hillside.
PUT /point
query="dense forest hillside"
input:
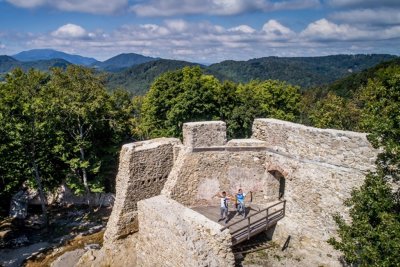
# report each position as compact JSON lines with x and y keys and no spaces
{"x":137,"y":79}
{"x":8,"y":63}
{"x":304,"y":71}
{"x":346,"y":87}
{"x":122,"y":61}
{"x":135,"y":72}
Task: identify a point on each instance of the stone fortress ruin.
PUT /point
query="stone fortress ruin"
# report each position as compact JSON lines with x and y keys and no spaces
{"x":159,"y":182}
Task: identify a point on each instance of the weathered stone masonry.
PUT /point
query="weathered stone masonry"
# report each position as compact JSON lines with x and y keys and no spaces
{"x":314,"y":170}
{"x":143,"y":170}
{"x":174,"y":235}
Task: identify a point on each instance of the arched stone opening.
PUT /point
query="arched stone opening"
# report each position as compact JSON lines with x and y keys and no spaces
{"x":276,"y":183}
{"x":281,"y":183}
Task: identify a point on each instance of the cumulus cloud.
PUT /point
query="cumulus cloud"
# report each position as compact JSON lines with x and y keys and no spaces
{"x":207,"y":42}
{"x":87,"y":6}
{"x":156,"y":8}
{"x":364,"y":3}
{"x":242,"y":29}
{"x":381,"y":16}
{"x":325,"y":30}
{"x":276,"y":31}
{"x":71,"y":31}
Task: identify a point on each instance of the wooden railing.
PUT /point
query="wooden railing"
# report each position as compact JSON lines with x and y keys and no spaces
{"x":256,"y":223}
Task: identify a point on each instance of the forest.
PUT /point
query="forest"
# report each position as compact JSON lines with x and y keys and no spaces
{"x":66,"y":126}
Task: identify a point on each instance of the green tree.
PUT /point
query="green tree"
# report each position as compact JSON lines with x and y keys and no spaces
{"x":178,"y":97}
{"x":373,"y":236}
{"x":27,"y":131}
{"x":265,"y":99}
{"x":381,"y":117}
{"x":82,"y":102}
{"x":335,"y":112}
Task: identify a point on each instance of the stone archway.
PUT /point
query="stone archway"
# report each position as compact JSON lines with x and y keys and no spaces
{"x":276,"y":183}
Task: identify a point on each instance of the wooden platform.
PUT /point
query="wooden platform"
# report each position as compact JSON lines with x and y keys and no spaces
{"x":257,"y":220}
{"x":213,"y":213}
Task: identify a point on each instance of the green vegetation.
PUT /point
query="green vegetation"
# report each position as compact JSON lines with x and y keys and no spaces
{"x":62,"y":126}
{"x":189,"y":95}
{"x":8,"y":64}
{"x":373,"y":236}
{"x":303,"y":71}
{"x":138,"y":79}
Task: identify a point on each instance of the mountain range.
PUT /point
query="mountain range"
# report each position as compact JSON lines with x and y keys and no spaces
{"x":136,"y":72}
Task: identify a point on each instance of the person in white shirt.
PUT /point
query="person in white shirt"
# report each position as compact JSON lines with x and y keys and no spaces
{"x":224,"y":210}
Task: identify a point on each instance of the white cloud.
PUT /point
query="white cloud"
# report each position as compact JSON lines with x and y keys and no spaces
{"x":86,"y":6}
{"x":325,"y":30}
{"x":177,"y":25}
{"x":155,"y":8}
{"x":27,"y":4}
{"x":70,"y":31}
{"x":364,"y":3}
{"x":242,"y":29}
{"x":207,"y":42}
{"x":275,"y":31}
{"x":381,"y":16}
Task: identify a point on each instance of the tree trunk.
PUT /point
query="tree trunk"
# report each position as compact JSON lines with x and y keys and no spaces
{"x":85,"y":178}
{"x":41,"y":192}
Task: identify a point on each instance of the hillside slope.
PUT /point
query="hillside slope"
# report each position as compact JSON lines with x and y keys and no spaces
{"x":122,"y":61}
{"x":138,"y":79}
{"x":48,"y":54}
{"x":304,"y":71}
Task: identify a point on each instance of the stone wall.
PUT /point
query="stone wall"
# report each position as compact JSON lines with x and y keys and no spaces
{"x":341,"y":148}
{"x":204,"y":134}
{"x":200,"y":175}
{"x":143,"y":170}
{"x":314,"y":170}
{"x":173,"y":235}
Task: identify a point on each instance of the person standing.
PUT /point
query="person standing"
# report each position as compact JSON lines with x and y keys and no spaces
{"x":224,"y":210}
{"x":240,"y":202}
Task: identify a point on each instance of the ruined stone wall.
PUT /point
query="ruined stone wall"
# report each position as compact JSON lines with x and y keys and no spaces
{"x":143,"y":170}
{"x":314,"y":170}
{"x":173,"y":235}
{"x":341,"y":148}
{"x":204,"y":134}
{"x":203,"y":174}
{"x":313,"y":193}
{"x":320,"y":168}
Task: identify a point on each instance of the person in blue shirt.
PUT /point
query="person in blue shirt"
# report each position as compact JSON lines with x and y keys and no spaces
{"x":240,"y":202}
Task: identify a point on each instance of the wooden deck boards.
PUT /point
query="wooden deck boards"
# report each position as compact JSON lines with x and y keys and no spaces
{"x":213,"y":213}
{"x":243,"y":228}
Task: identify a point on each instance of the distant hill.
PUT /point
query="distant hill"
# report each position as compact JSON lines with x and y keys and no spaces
{"x":48,"y":54}
{"x":345,"y":87}
{"x":8,"y":63}
{"x":137,"y":79}
{"x":304,"y":71}
{"x":122,"y":61}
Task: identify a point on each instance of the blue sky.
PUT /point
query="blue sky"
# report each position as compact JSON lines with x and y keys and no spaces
{"x":205,"y":31}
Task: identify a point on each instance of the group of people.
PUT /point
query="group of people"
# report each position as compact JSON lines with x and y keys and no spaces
{"x":239,"y":199}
